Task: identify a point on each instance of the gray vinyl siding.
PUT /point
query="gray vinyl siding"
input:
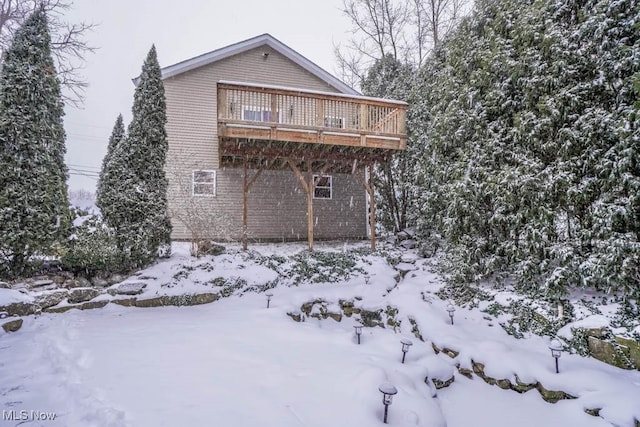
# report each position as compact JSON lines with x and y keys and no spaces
{"x":277,"y":202}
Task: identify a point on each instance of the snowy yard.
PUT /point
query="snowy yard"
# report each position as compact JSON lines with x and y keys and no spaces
{"x":236,"y":363}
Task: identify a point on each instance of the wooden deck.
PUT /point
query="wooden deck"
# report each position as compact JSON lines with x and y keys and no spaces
{"x":268,"y":113}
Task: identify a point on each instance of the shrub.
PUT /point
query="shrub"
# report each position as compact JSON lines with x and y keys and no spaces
{"x":92,"y":249}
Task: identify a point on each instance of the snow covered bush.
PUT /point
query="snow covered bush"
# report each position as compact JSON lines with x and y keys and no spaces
{"x":92,"y":249}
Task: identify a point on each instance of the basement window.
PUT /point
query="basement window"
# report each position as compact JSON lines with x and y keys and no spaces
{"x":323,"y":188}
{"x":204,"y":183}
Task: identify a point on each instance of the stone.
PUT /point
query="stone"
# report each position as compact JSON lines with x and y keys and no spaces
{"x":100,"y":282}
{"x":125,"y":302}
{"x":436,"y":349}
{"x":90,"y":305}
{"x":177,"y":300}
{"x":438,"y":384}
{"x":504,"y":384}
{"x":409,"y":244}
{"x":596,"y":332}
{"x":553,"y":396}
{"x":116,"y":278}
{"x":58,"y":309}
{"x":594,"y":412}
{"x":466,"y":372}
{"x":4,"y":285}
{"x":82,"y":294}
{"x":451,"y":353}
{"x":403,"y":268}
{"x":307,"y":307}
{"x":522,"y":387}
{"x":295,"y":316}
{"x":12,"y":325}
{"x":51,"y":298}
{"x":608,"y":352}
{"x":128,"y":289}
{"x":78,"y":282}
{"x":632,"y":348}
{"x":371,"y":318}
{"x":20,"y":309}
{"x":41,"y":282}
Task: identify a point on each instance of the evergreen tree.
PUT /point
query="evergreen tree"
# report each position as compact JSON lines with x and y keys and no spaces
{"x":529,"y":129}
{"x":34,"y":208}
{"x":138,"y":212}
{"x":108,"y":182}
{"x":389,"y":78}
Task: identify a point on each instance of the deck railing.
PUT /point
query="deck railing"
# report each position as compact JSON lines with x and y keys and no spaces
{"x":240,"y":103}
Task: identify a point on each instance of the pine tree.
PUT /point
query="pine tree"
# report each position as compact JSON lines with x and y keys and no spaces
{"x":139,"y":209}
{"x":34,"y":209}
{"x":107,"y":184}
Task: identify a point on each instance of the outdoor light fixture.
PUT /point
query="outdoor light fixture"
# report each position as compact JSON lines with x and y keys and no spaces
{"x":388,"y":391}
{"x":556,"y":350}
{"x":358,"y":329}
{"x":269,"y":299}
{"x":451,"y":309}
{"x":405,"y":347}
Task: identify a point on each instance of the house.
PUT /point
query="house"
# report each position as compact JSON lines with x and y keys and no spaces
{"x":266,"y":145}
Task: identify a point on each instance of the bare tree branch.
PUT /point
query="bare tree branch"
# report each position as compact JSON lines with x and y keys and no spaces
{"x":408,"y":30}
{"x":68,"y":44}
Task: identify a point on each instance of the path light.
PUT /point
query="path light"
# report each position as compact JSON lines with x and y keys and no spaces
{"x":451,"y":309}
{"x":405,"y":347}
{"x":556,"y":351}
{"x":388,"y":391}
{"x":358,"y":329}
{"x":269,"y":299}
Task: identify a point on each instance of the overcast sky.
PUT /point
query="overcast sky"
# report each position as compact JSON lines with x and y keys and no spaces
{"x":180,"y":30}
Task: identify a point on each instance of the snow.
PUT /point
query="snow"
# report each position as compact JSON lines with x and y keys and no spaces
{"x":591,"y":322}
{"x":240,"y":363}
{"x":10,"y":296}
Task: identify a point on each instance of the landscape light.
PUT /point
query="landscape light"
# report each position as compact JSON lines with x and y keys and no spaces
{"x":451,"y":309}
{"x":388,"y":391}
{"x":269,"y":299}
{"x":556,"y":351}
{"x":358,"y":329}
{"x":405,"y":347}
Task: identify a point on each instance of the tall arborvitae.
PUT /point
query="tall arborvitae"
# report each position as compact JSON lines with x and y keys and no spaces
{"x":34,"y":209}
{"x":389,"y":78}
{"x":108,"y":183}
{"x":531,"y":144}
{"x":139,"y":209}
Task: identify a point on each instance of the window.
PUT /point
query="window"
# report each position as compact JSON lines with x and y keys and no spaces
{"x":322,"y":187}
{"x":257,"y":114}
{"x":334,"y":122}
{"x":204,"y":183}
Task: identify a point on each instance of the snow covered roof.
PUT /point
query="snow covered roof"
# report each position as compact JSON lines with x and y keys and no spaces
{"x":262,"y":40}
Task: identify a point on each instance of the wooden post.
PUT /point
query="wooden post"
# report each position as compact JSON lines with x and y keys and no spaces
{"x":372,"y":209}
{"x":245,"y":191}
{"x":308,"y":189}
{"x":246,"y":186}
{"x":368,"y":186}
{"x":310,"y":206}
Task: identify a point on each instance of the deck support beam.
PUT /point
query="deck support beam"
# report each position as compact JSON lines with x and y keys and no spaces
{"x":368,"y":186}
{"x":308,"y":186}
{"x":246,"y":186}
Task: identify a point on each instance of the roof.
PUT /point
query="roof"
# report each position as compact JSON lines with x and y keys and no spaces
{"x":243,"y":46}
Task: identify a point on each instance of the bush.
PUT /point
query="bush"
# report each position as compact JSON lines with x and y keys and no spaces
{"x":92,"y":249}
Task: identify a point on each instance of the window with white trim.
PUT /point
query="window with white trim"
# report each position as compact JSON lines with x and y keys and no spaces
{"x":323,"y":187}
{"x":204,"y":182}
{"x":334,"y":122}
{"x":257,"y":114}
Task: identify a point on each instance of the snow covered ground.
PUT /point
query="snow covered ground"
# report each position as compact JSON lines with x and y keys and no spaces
{"x":236,"y":363}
